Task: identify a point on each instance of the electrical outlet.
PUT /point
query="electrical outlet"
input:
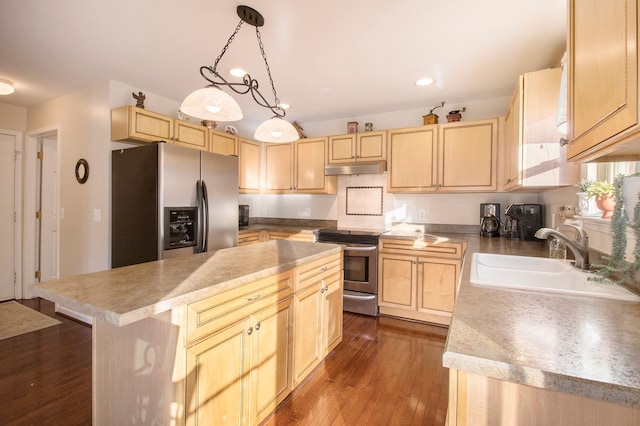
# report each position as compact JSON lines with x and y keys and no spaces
{"x":308,"y":212}
{"x":97,"y":215}
{"x":421,"y":214}
{"x":264,"y":212}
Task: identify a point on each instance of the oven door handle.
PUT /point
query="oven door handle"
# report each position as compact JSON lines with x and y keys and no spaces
{"x":356,"y":297}
{"x":368,"y":248}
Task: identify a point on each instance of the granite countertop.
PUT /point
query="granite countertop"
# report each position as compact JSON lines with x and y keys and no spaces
{"x":579,"y":345}
{"x":124,"y":295}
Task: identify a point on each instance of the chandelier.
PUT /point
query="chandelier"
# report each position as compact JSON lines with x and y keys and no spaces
{"x":211,"y":103}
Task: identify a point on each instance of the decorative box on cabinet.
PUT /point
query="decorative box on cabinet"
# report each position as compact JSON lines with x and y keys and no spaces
{"x":533,"y":157}
{"x":603,"y":95}
{"x":354,"y":147}
{"x":419,"y":283}
{"x":130,"y":123}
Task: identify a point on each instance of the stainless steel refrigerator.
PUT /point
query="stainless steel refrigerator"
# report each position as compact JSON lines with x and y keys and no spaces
{"x":170,"y":201}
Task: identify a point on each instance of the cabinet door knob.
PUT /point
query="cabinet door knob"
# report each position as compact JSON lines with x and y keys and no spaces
{"x":249,"y":330}
{"x":324,"y":268}
{"x":257,"y":327}
{"x":326,"y":288}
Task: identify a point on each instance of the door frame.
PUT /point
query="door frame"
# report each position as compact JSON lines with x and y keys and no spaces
{"x":17,"y":200}
{"x":30,"y":189}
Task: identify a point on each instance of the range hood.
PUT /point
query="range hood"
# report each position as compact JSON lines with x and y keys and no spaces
{"x":361,"y":168}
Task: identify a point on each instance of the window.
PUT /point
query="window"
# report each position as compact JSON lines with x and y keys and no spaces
{"x":608,"y":171}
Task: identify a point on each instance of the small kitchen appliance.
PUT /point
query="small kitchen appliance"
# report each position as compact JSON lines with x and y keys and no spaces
{"x":490,"y":219}
{"x":243,"y":215}
{"x":522,"y":221}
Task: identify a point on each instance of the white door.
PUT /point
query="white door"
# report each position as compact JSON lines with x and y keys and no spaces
{"x":8,"y":149}
{"x":49,"y":208}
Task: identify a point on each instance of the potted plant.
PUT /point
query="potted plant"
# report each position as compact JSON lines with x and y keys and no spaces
{"x":586,"y":206}
{"x":626,"y":214}
{"x":603,"y":192}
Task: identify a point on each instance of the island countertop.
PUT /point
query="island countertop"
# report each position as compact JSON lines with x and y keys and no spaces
{"x":579,"y":345}
{"x":128,"y":294}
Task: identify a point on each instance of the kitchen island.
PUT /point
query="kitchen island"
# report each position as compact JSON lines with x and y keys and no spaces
{"x":523,"y":357}
{"x":182,"y":340}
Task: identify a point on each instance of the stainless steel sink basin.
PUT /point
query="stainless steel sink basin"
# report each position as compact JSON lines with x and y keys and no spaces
{"x":540,"y":274}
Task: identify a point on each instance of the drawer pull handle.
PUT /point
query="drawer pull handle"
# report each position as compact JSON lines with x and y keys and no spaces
{"x":324,"y":268}
{"x":254,"y":297}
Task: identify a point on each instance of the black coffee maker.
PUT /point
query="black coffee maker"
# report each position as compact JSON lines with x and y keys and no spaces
{"x":490,"y":219}
{"x":521,"y":221}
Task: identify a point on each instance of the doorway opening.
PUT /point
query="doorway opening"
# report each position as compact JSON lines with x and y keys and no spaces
{"x":42,"y":213}
{"x":10,"y":214}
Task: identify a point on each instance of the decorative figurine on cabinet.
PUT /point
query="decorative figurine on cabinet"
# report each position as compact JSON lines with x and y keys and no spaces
{"x":455,"y":115}
{"x":140,"y":97}
{"x":432,"y":118}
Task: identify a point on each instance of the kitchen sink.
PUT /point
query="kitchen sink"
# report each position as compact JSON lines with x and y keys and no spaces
{"x":541,"y":274}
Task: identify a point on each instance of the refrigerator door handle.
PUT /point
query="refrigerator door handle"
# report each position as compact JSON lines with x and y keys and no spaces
{"x":205,"y":211}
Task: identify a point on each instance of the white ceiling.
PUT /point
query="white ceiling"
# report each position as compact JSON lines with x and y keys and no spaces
{"x":330,"y":59}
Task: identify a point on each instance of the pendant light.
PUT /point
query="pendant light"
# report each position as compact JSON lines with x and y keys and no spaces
{"x":6,"y":87}
{"x":276,"y":130}
{"x":211,"y":103}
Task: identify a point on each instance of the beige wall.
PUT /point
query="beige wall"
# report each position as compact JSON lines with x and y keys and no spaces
{"x":83,"y":121}
{"x":13,"y":118}
{"x":83,"y":118}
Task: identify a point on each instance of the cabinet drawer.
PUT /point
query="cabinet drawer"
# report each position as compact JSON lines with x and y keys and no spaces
{"x":249,"y":238}
{"x":317,"y":270}
{"x":293,"y":236}
{"x":431,"y":249}
{"x":206,"y":316}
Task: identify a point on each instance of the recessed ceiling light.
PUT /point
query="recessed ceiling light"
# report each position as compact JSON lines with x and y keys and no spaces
{"x":424,"y":81}
{"x":6,"y":87}
{"x":237,"y":72}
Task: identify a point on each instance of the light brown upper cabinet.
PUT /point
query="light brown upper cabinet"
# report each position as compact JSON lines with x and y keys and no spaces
{"x":249,"y":155}
{"x":130,"y":123}
{"x":366,"y":146}
{"x":468,"y":156}
{"x":223,"y":143}
{"x":297,"y":167}
{"x":533,"y":157}
{"x":411,"y":158}
{"x":603,"y":80}
{"x":453,"y":157}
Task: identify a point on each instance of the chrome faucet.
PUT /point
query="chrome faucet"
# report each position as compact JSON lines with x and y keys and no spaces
{"x":578,"y":247}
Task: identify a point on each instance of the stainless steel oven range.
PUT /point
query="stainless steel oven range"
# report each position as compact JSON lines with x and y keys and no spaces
{"x":360,"y":267}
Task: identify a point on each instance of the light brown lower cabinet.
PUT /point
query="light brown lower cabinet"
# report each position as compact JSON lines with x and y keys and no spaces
{"x":476,"y":400}
{"x":227,"y":359}
{"x":318,"y":314}
{"x":418,"y":283}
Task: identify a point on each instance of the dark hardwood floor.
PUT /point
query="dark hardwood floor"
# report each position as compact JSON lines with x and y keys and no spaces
{"x":385,"y":372}
{"x":45,"y":376}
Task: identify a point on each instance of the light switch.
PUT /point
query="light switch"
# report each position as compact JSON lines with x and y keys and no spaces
{"x":97,"y":215}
